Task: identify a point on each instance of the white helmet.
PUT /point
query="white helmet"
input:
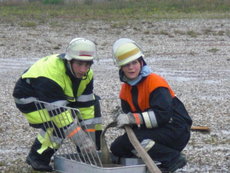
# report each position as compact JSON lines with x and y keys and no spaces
{"x":80,"y":49}
{"x":125,"y":51}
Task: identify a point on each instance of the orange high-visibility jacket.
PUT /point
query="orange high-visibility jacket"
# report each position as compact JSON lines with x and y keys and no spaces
{"x":152,"y":82}
{"x":153,"y":93}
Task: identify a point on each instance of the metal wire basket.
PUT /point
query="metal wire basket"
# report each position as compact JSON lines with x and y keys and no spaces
{"x":71,"y":159}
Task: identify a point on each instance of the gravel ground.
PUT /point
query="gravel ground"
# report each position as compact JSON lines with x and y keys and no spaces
{"x":192,"y":55}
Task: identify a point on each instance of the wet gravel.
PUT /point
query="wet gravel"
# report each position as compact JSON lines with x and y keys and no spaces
{"x":192,"y":55}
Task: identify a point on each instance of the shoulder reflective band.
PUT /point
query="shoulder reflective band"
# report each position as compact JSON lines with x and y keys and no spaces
{"x":137,"y":119}
{"x":74,"y":132}
{"x":147,"y":120}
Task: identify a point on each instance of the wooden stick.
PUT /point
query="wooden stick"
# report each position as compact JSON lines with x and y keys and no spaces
{"x":141,"y":151}
{"x":200,"y":128}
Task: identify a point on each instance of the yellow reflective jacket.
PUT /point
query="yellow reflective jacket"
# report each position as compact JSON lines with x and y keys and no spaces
{"x":49,"y":80}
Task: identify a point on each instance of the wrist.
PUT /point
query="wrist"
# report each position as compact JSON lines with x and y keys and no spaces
{"x":138,"y":119}
{"x":73,"y":132}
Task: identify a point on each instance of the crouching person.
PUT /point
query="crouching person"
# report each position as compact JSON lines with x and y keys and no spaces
{"x":64,"y":80}
{"x":157,"y":117}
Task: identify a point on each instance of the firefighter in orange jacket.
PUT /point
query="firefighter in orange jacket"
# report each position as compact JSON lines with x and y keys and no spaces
{"x":158,"y":118}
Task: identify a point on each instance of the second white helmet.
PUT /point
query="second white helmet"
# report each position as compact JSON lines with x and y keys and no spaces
{"x":125,"y":51}
{"x":81,"y":49}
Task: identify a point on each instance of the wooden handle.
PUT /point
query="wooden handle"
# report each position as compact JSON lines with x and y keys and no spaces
{"x":141,"y":151}
{"x":200,"y":128}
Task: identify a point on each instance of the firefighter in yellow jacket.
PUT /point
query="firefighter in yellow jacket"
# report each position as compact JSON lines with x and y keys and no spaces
{"x":158,"y":118}
{"x":65,"y":80}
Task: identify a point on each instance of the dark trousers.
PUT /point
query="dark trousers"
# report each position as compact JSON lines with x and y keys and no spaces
{"x":97,"y":110}
{"x":44,"y":157}
{"x":169,"y":142}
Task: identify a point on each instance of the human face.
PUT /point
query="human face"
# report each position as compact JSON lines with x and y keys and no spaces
{"x":80,"y":68}
{"x":132,"y":69}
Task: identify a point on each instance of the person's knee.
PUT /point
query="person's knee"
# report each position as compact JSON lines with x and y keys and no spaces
{"x":114,"y":148}
{"x":121,"y":147}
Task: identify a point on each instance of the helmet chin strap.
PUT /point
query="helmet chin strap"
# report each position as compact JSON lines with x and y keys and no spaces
{"x":70,"y":68}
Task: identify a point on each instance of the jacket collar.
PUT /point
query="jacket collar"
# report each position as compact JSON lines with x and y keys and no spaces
{"x":145,"y":71}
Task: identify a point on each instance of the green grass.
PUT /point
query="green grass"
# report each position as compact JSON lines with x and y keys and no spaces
{"x":114,"y":10}
{"x":213,"y":50}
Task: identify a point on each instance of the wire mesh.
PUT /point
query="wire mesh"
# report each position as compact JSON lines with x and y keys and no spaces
{"x":48,"y":112}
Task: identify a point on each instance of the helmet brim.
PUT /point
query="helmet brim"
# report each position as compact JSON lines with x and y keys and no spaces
{"x":130,"y":59}
{"x":80,"y":58}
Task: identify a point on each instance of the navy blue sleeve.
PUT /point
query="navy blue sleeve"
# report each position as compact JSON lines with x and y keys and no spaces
{"x":125,"y":106}
{"x":47,"y":90}
{"x":161,"y":103}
